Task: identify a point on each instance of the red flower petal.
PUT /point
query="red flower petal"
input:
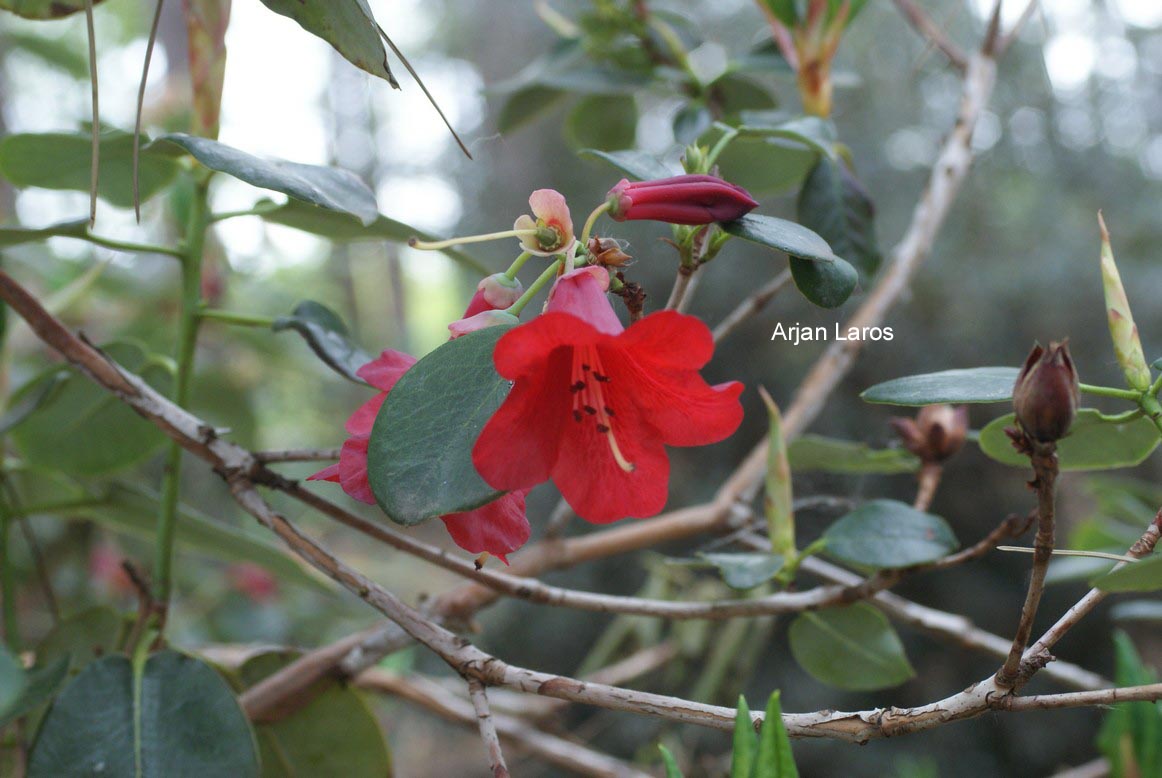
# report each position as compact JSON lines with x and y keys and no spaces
{"x":383,"y":371}
{"x":353,"y":470}
{"x":361,"y":422}
{"x":525,"y":350}
{"x":668,"y":339}
{"x":328,"y":473}
{"x":581,"y":292}
{"x":499,"y":528}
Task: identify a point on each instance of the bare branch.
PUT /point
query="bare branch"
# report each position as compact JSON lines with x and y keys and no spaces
{"x":924,"y":25}
{"x":1148,"y":693}
{"x":297,"y":455}
{"x":487,"y":728}
{"x":751,"y":305}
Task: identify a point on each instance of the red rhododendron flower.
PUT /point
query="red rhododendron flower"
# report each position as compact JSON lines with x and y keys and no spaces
{"x":689,"y":199}
{"x":498,"y":528}
{"x":594,"y":404}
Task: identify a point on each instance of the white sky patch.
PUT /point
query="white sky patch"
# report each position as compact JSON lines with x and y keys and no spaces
{"x":987,"y":131}
{"x":1010,"y":11}
{"x":1140,"y":13}
{"x":1119,"y":58}
{"x":427,"y":202}
{"x":1070,"y":58}
{"x":1150,"y":158}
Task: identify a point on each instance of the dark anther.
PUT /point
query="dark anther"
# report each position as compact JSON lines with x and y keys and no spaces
{"x":589,"y":409}
{"x":602,"y":428}
{"x":601,"y":378}
{"x":577,"y":415}
{"x":577,"y":387}
{"x":585,"y":368}
{"x":608,"y":411}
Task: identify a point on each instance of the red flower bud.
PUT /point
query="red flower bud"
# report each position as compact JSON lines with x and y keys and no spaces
{"x":936,"y":433}
{"x":1046,"y":394}
{"x":689,"y":199}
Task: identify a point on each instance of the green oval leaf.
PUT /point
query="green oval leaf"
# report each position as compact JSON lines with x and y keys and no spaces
{"x":1143,"y":576}
{"x":1091,"y":444}
{"x":834,"y":204}
{"x":44,"y":9}
{"x":829,"y":455}
{"x":974,"y":385}
{"x":692,"y":120}
{"x":40,"y":683}
{"x":744,"y":570}
{"x":603,"y":122}
{"x":419,"y":458}
{"x":327,"y":335}
{"x":886,"y":534}
{"x":12,"y":681}
{"x":764,"y":166}
{"x":83,"y":430}
{"x":177,"y":717}
{"x":827,"y":284}
{"x":525,"y":105}
{"x":636,"y":164}
{"x":82,"y":637}
{"x":782,"y":235}
{"x":326,"y":187}
{"x":336,"y":733}
{"x":853,"y":648}
{"x":61,"y":160}
{"x":348,"y":25}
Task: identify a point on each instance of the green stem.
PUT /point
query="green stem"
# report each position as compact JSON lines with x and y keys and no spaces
{"x":259,"y":209}
{"x":238,"y":319}
{"x":1118,"y":418}
{"x":727,"y":136}
{"x":8,"y":581}
{"x":129,"y":247}
{"x":516,"y":265}
{"x":588,"y":229}
{"x":549,"y":274}
{"x":191,"y":308}
{"x":436,"y":245}
{"x":1155,"y":387}
{"x":1109,"y":391}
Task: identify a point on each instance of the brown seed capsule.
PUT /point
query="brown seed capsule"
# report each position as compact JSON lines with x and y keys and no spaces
{"x":1046,"y":394}
{"x":607,"y":252}
{"x":937,"y":432}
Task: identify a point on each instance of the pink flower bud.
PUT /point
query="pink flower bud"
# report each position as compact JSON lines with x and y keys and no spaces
{"x":688,"y":199}
{"x":1046,"y":394}
{"x":481,"y":321}
{"x":494,"y":292}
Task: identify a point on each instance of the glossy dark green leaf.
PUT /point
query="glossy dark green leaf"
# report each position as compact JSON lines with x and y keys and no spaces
{"x":834,"y":204}
{"x":348,"y":25}
{"x":670,"y":763}
{"x":327,"y":335}
{"x":818,"y":135}
{"x":744,"y":743}
{"x":829,"y":455}
{"x":344,"y":228}
{"x":1091,"y":444}
{"x":744,"y":570}
{"x":827,"y":284}
{"x":1143,"y":576}
{"x":764,"y":166}
{"x":774,"y":758}
{"x":734,"y":94}
{"x":692,"y":120}
{"x":29,"y":402}
{"x":83,"y":430}
{"x":61,"y":160}
{"x":525,"y":105}
{"x":336,"y":733}
{"x":44,"y":9}
{"x":82,"y":637}
{"x":1131,"y":736}
{"x":40,"y":683}
{"x":635,"y":164}
{"x":853,"y":648}
{"x":12,"y":681}
{"x":886,"y":534}
{"x":974,"y":385}
{"x":419,"y":459}
{"x":178,"y":719}
{"x":603,"y":122}
{"x":786,"y":11}
{"x":326,"y":187}
{"x":12,"y":235}
{"x":782,"y":235}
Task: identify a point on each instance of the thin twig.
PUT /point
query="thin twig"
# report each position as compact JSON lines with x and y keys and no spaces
{"x":751,"y":305}
{"x":95,"y":147}
{"x":1096,"y":768}
{"x":297,"y":455}
{"x":487,"y":728}
{"x":1148,"y":693}
{"x":932,"y":33}
{"x":140,"y":108}
{"x":928,"y":480}
{"x":1011,"y":36}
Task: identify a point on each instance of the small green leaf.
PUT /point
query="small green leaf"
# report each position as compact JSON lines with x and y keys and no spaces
{"x":672,"y":769}
{"x":974,"y":385}
{"x":83,"y":430}
{"x":29,"y":402}
{"x":886,"y":534}
{"x":13,"y":235}
{"x":335,"y":733}
{"x":419,"y":458}
{"x":12,"y":682}
{"x":852,"y":647}
{"x":786,"y":11}
{"x":764,"y":166}
{"x":829,"y":455}
{"x":827,"y":284}
{"x":1144,"y":576}
{"x":82,"y":637}
{"x":815,"y":133}
{"x":1131,"y":735}
{"x":834,"y":204}
{"x":781,"y":235}
{"x":778,"y":503}
{"x":744,"y":570}
{"x":173,"y":716}
{"x":774,"y":758}
{"x":348,"y":25}
{"x":1091,"y":444}
{"x":345,"y":228}
{"x":44,"y":9}
{"x":525,"y":105}
{"x":327,"y":335}
{"x":692,"y":120}
{"x":603,"y":122}
{"x":745,"y":743}
{"x":735,"y":94}
{"x":61,"y":160}
{"x":326,"y":187}
{"x":41,"y":682}
{"x":635,"y":164}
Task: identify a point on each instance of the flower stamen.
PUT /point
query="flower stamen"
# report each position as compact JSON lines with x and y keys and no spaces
{"x":588,"y":399}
